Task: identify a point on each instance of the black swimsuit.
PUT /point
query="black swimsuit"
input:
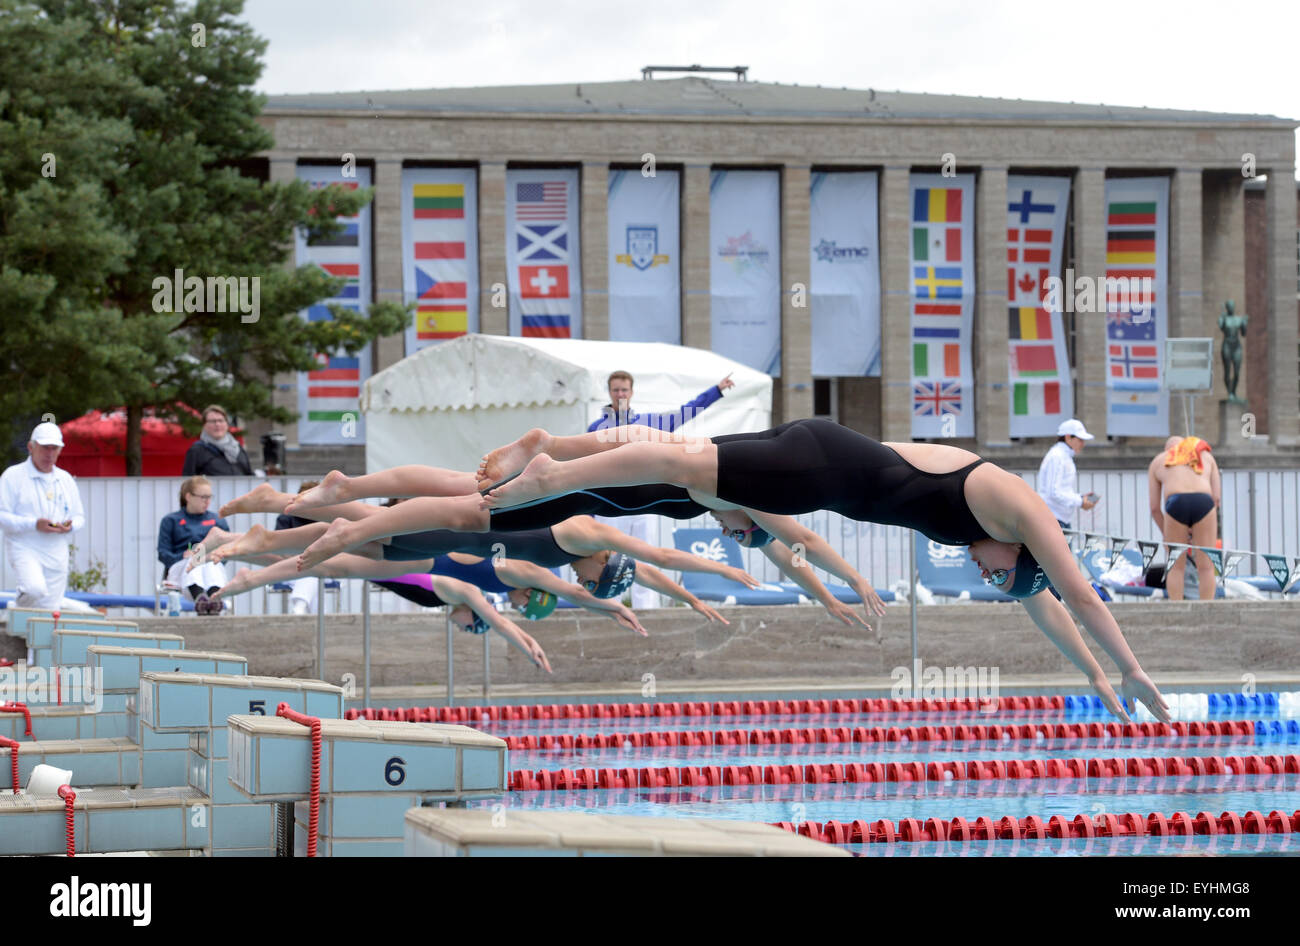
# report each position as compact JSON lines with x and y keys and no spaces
{"x":807,"y":465}
{"x":535,"y":545}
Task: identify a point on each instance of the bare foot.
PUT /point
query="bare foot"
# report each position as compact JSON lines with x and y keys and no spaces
{"x":215,"y":539}
{"x":331,"y":491}
{"x":506,"y":461}
{"x":526,"y":487}
{"x":333,"y":542}
{"x":242,"y":582}
{"x":253,"y":542}
{"x":261,"y":498}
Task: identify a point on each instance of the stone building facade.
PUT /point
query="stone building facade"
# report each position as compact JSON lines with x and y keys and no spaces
{"x":698,"y":124}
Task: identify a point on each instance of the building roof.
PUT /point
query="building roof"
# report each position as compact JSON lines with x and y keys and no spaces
{"x":696,"y":95}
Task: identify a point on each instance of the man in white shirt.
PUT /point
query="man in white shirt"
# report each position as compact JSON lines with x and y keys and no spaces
{"x":40,"y":508}
{"x":1057,"y":476}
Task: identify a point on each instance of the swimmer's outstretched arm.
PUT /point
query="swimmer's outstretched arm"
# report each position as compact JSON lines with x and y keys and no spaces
{"x":817,"y":550}
{"x":454,"y":592}
{"x":604,"y":536}
{"x":1042,"y":535}
{"x":783,"y":557}
{"x":340,"y":566}
{"x":523,"y":574}
{"x":655,"y":580}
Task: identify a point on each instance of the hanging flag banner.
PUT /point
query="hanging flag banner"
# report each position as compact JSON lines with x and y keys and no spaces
{"x":645,"y":286}
{"x":1042,"y":394}
{"x":1137,"y":293}
{"x":745,"y":267}
{"x":845,"y":274}
{"x":543,"y":257}
{"x":440,"y":253}
{"x":329,"y":397}
{"x":942,"y":282}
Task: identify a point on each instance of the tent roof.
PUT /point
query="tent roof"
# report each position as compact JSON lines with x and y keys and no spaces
{"x":496,"y":371}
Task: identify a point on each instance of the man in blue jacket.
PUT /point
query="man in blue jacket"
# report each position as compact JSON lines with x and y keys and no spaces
{"x":617,"y":413}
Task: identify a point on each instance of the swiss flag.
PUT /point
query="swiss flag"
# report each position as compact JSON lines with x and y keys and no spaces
{"x":544,"y":282}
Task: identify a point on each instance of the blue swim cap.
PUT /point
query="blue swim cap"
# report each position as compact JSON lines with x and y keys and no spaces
{"x":615,"y":578}
{"x":479,"y":626}
{"x":1029,"y":578}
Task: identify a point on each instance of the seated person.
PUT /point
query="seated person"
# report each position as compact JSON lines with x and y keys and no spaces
{"x":179,"y":532}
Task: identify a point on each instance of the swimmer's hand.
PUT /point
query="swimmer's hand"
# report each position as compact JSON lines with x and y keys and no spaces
{"x":744,"y":577}
{"x":870,"y":600}
{"x":708,"y":612}
{"x":1138,"y":686}
{"x":1108,"y":697}
{"x":535,"y":651}
{"x":845,"y":613}
{"x":624,"y":616}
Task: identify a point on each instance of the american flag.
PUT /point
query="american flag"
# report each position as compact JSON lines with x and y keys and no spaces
{"x":547,"y":200}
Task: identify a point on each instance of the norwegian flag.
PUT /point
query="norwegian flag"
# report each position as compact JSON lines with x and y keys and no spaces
{"x":1134,"y":361}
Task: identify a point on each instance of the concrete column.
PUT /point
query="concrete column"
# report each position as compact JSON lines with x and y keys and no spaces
{"x":492,"y":247}
{"x":991,"y":336}
{"x":387,"y":215}
{"x":1186,"y":302}
{"x":595,"y":251}
{"x":1090,"y":327}
{"x":895,"y":313}
{"x":1284,"y":332}
{"x":697,"y":327}
{"x":796,"y":267}
{"x":1223,"y":249}
{"x":283,"y":169}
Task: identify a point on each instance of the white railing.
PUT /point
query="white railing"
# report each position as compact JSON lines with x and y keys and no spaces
{"x":1261,"y":513}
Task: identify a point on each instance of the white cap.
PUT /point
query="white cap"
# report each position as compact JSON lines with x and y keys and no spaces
{"x":48,"y":435}
{"x":1073,"y":428}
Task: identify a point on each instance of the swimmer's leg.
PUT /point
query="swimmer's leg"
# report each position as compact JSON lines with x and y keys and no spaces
{"x":460,"y":514}
{"x":506,"y":461}
{"x":1204,"y":533}
{"x":411,"y":480}
{"x":1175,"y":531}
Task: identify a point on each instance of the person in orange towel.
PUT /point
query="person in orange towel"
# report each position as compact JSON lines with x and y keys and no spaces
{"x":1185,"y":490}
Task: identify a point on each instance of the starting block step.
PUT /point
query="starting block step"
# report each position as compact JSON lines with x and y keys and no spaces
{"x":93,"y":762}
{"x":70,"y":721}
{"x":270,"y":759}
{"x":105,"y":820}
{"x":437,"y":832}
{"x":38,"y":630}
{"x":70,"y":644}
{"x":201,"y":703}
{"x":122,"y":665}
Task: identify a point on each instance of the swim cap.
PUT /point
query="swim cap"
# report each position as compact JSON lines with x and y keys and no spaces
{"x":539,"y":604}
{"x":615,"y":578}
{"x":1029,"y":579}
{"x":758,"y":536}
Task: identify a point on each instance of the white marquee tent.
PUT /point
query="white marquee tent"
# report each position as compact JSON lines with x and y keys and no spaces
{"x":449,"y":404}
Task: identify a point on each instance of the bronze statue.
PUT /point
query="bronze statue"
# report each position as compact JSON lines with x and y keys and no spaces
{"x":1233,"y":327}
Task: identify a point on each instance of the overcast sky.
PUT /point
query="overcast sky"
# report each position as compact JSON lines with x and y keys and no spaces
{"x":1191,"y":54}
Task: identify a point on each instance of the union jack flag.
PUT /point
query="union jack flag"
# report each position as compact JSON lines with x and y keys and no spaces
{"x":933,"y":398}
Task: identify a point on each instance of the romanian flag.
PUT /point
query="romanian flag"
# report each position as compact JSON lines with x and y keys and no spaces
{"x":936,"y":205}
{"x":435,"y":201}
{"x":1030,"y":324}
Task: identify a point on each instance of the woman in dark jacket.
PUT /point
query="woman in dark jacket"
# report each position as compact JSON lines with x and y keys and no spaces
{"x":216,"y":452}
{"x":179,"y":532}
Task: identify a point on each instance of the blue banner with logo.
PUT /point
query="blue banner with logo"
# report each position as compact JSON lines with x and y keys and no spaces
{"x":845,"y":274}
{"x":745,"y":267}
{"x":645,"y":298}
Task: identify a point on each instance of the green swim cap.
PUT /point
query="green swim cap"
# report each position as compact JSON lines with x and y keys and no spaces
{"x":539,"y":604}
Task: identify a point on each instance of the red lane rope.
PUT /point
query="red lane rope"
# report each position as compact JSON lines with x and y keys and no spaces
{"x":11,"y":707}
{"x":460,"y":714}
{"x":1128,"y":824}
{"x":524,"y":780}
{"x":12,"y":746}
{"x":69,"y":799}
{"x":314,"y":723}
{"x":886,"y":734}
